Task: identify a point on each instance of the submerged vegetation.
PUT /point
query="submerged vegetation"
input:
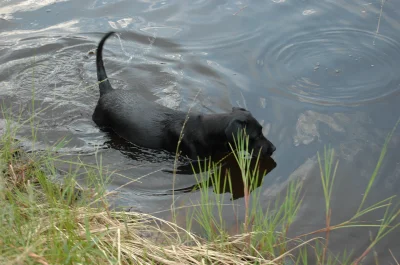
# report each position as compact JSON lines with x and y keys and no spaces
{"x":47,"y":221}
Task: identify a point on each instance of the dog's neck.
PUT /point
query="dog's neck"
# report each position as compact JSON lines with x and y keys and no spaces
{"x":215,"y":124}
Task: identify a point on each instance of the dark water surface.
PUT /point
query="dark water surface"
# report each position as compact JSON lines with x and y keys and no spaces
{"x":314,"y":72}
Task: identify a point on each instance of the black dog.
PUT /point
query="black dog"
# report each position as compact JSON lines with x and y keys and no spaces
{"x":152,"y":125}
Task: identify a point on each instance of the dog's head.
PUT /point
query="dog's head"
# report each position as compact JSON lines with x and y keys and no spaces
{"x":242,"y":119}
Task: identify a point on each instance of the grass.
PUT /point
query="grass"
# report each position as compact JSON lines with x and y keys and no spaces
{"x":44,"y":221}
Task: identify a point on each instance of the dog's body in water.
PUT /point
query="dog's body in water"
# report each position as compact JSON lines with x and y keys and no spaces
{"x":154,"y":126}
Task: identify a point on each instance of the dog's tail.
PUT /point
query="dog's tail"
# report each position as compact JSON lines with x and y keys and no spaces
{"x":104,"y":84}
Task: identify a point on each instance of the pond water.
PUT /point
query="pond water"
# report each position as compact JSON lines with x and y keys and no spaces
{"x":313,"y":72}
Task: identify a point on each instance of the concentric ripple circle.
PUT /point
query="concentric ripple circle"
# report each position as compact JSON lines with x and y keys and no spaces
{"x":337,"y":66}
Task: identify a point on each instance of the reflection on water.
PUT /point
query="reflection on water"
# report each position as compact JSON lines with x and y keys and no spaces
{"x":307,"y":126}
{"x":27,"y":5}
{"x":314,"y":73}
{"x":226,"y":175}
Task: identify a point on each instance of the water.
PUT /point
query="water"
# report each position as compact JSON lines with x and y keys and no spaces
{"x":315,"y":73}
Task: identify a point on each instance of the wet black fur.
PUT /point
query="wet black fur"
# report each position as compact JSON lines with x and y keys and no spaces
{"x":152,"y":125}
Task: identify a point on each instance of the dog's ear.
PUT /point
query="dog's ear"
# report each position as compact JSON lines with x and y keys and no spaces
{"x":238,"y":109}
{"x":233,"y":127}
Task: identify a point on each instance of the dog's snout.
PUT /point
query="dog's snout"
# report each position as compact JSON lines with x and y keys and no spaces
{"x":270,"y":149}
{"x":273,"y":148}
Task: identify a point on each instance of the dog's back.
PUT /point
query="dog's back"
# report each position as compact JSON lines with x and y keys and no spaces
{"x":134,"y":118}
{"x":130,"y":115}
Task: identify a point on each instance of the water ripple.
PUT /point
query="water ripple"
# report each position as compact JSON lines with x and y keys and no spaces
{"x":336,"y":66}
